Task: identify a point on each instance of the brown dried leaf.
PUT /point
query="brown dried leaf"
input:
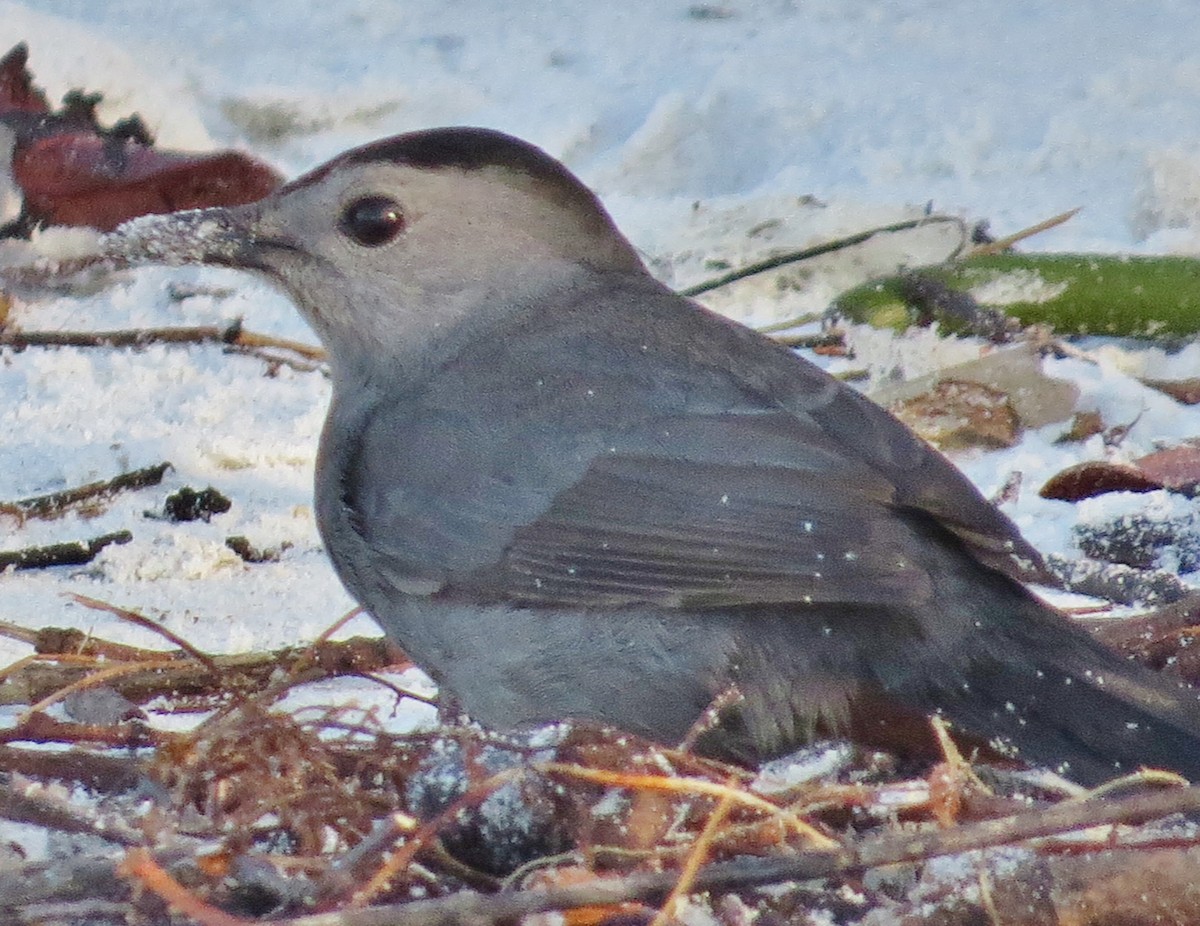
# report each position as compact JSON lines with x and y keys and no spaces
{"x":1083,"y":425}
{"x":956,"y":414}
{"x":1096,"y":477}
{"x":1176,"y":468}
{"x":1016,"y":371}
{"x":73,"y":171}
{"x":1186,"y":391}
{"x":86,"y":179}
{"x":17,"y":92}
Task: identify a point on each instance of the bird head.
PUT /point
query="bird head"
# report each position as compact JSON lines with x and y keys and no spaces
{"x":404,"y":239}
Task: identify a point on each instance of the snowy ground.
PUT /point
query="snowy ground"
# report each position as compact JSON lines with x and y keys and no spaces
{"x":696,"y":123}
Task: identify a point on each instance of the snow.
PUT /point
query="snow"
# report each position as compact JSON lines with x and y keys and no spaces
{"x":713,"y":132}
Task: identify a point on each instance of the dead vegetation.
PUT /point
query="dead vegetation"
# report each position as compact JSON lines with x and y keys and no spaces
{"x":306,"y":815}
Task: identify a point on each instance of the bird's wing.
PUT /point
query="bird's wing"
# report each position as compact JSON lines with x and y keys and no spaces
{"x":685,"y":533}
{"x":611,"y":469}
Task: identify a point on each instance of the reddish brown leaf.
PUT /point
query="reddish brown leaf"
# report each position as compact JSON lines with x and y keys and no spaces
{"x":17,"y":92}
{"x":73,"y":171}
{"x":1083,"y":425}
{"x":956,"y":414}
{"x":1096,"y":477}
{"x":1186,"y":391}
{"x":1174,"y":468}
{"x":79,"y":179}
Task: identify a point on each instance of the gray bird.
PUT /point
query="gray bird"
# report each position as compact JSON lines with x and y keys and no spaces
{"x":568,"y":492}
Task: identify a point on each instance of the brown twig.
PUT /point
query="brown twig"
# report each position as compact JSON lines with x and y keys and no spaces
{"x":73,"y":553}
{"x":56,"y":504}
{"x":696,"y":858}
{"x":139,"y":865}
{"x":70,"y":641}
{"x":399,"y":860}
{"x":41,"y":809}
{"x":1003,"y":244}
{"x":94,"y":770}
{"x":747,"y":872}
{"x":811,"y":341}
{"x":690,"y":786}
{"x":825,"y":247}
{"x":95,"y":679}
{"x":42,"y":728}
{"x":231,"y":335}
{"x":38,"y":677}
{"x":139,"y":620}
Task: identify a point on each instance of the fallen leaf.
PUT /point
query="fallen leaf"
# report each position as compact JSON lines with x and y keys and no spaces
{"x":17,"y":91}
{"x":1096,"y":477}
{"x":1083,"y":425}
{"x":82,"y":179}
{"x":1186,"y":391}
{"x":954,"y":415}
{"x":70,"y":170}
{"x":1016,"y":371}
{"x":1176,"y":468}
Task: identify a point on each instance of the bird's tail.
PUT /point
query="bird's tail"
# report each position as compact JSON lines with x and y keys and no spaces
{"x":1045,"y":689}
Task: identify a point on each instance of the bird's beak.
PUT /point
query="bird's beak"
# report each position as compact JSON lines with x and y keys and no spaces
{"x":222,"y":236}
{"x":226,"y":237}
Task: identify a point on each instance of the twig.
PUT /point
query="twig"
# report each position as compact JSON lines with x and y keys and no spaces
{"x":696,"y":858}
{"x":56,"y":503}
{"x":826,"y":247}
{"x":687,"y":786}
{"x":95,"y":679}
{"x":231,"y":335}
{"x":811,"y":341}
{"x":1003,"y":244}
{"x":146,"y":623}
{"x":787,"y":324}
{"x":40,"y":676}
{"x":58,"y":881}
{"x":42,"y":728}
{"x":61,"y":554}
{"x":40,"y":809}
{"x":747,"y":872}
{"x":140,"y":866}
{"x":98,"y":771}
{"x":399,"y":860}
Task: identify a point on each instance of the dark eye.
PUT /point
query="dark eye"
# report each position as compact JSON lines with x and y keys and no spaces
{"x":372,"y":221}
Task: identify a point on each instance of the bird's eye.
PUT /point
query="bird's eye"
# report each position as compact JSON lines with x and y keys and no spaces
{"x":372,"y":221}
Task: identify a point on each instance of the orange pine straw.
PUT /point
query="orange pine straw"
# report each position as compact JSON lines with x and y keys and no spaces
{"x":97,"y":678}
{"x":140,"y":865}
{"x":696,"y":858}
{"x":69,"y":659}
{"x":690,"y":786}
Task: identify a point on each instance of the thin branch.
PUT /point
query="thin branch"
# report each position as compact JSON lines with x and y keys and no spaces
{"x":688,"y":786}
{"x":826,"y":247}
{"x":231,"y":335}
{"x":696,"y":858}
{"x":139,"y":866}
{"x":57,"y":503}
{"x":747,"y":872}
{"x":1003,"y":244}
{"x":75,"y":553}
{"x":40,"y":676}
{"x":41,"y":809}
{"x":139,"y":620}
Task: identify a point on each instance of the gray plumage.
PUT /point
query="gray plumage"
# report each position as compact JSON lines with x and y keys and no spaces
{"x":568,"y":492}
